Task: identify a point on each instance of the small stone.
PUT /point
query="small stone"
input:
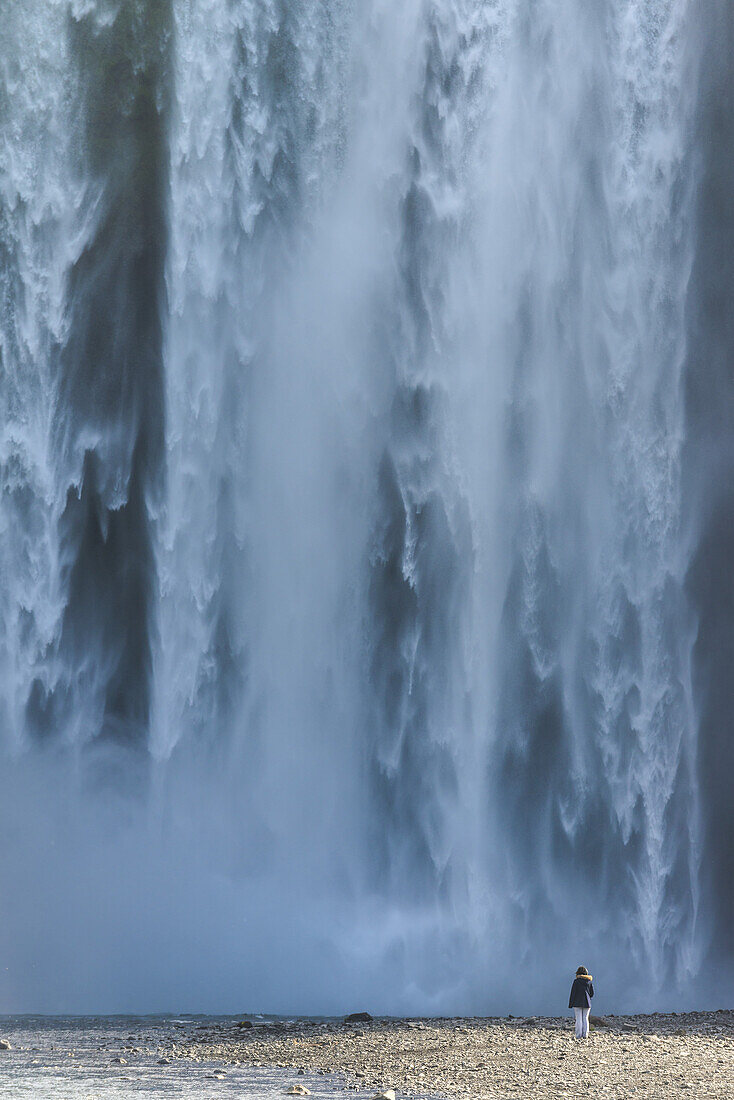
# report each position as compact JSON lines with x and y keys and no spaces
{"x":5,"y":1045}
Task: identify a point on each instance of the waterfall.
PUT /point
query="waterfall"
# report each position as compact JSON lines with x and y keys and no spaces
{"x":363,"y":528}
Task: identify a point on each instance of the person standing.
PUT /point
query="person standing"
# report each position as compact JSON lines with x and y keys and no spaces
{"x":582,"y":991}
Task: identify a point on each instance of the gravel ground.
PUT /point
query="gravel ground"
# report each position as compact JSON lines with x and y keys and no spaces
{"x":658,"y":1056}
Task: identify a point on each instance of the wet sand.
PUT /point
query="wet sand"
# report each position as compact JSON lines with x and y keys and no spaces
{"x":657,"y":1056}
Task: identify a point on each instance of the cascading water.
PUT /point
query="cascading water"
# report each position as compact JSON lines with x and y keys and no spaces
{"x":357,"y":638}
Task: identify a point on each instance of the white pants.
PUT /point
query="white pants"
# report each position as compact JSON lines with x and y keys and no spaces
{"x":582,"y":1022}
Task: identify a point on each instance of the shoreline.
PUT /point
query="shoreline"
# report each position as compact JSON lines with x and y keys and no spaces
{"x":658,"y":1055}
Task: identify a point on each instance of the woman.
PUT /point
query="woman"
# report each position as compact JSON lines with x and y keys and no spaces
{"x":580,"y":1001}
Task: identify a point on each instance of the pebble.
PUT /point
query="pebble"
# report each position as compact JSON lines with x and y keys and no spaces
{"x":651,"y":1058}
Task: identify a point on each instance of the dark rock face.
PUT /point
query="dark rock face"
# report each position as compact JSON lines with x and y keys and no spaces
{"x":709,"y":464}
{"x":358,"y":1018}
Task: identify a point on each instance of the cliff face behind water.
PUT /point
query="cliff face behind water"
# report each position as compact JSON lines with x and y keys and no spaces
{"x":366,"y":466}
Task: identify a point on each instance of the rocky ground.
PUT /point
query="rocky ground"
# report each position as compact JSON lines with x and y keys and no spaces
{"x":658,"y":1056}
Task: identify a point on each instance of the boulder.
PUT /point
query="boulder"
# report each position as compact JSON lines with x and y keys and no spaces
{"x":357,"y":1018}
{"x":245,"y":1024}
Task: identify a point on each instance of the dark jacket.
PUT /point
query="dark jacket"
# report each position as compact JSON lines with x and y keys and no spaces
{"x":582,"y":991}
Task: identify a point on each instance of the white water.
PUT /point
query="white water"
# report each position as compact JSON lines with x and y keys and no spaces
{"x":365,"y":663}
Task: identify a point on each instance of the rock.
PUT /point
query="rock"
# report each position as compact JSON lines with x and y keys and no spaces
{"x":5,"y":1045}
{"x":388,"y":1094}
{"x":120,"y":1061}
{"x":298,"y":1090}
{"x":164,"y":1061}
{"x":218,"y":1076}
{"x":529,"y":1021}
{"x":245,"y":1024}
{"x":417,"y":1024}
{"x":358,"y":1018}
{"x":599,"y":1021}
{"x":301,"y":1073}
{"x":629,"y":1027}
